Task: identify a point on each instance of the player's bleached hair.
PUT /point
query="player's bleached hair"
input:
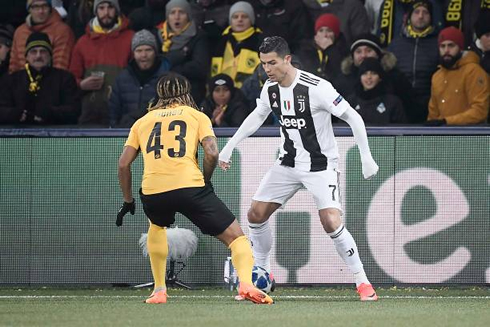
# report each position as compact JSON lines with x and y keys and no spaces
{"x":173,"y":90}
{"x":275,"y":44}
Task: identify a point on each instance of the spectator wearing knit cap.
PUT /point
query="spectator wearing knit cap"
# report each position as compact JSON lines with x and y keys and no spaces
{"x":6,"y":35}
{"x":368,"y":46}
{"x":460,"y":88}
{"x":39,"y":94}
{"x":226,"y":105}
{"x":370,"y":99}
{"x":287,"y":19}
{"x":417,"y":56}
{"x":42,"y":18}
{"x":481,"y":45}
{"x":237,"y":53}
{"x":323,"y":54}
{"x":185,"y":46}
{"x":135,"y":86}
{"x":394,"y":14}
{"x":98,"y":57}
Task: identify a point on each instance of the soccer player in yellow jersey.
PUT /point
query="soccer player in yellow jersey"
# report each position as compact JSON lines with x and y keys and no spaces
{"x":168,"y":137}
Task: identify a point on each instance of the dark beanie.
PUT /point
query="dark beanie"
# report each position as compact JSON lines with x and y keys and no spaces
{"x":220,"y":80}
{"x":482,"y":25}
{"x":114,"y":3}
{"x":371,"y":65}
{"x":31,"y":2}
{"x":328,"y":20}
{"x":451,"y":34}
{"x":38,"y":39}
{"x":369,"y":40}
{"x":6,"y":34}
{"x":417,"y":3}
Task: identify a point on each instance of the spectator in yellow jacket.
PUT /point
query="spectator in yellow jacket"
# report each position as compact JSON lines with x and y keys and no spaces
{"x":237,"y":53}
{"x":460,"y":90}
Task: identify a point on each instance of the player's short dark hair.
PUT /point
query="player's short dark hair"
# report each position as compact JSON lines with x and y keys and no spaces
{"x":173,"y":89}
{"x":275,"y":44}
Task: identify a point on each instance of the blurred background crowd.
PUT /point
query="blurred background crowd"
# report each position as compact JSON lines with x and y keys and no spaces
{"x":95,"y":63}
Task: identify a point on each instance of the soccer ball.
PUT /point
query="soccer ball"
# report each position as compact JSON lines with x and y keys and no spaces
{"x":261,"y":279}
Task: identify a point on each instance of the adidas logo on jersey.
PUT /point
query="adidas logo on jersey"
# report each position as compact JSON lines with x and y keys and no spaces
{"x":293,"y":123}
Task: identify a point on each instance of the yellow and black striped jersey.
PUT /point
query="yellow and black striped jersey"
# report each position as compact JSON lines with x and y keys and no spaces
{"x":169,"y":139}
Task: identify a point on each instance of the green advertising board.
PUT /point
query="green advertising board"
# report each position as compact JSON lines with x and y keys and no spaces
{"x":425,"y":218}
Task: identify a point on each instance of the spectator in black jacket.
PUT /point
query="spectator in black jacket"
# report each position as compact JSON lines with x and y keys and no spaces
{"x":482,"y":44}
{"x":368,"y":46}
{"x":417,"y":55}
{"x":135,"y":86}
{"x":6,"y":36}
{"x":211,"y":16}
{"x":39,"y":94}
{"x":225,"y":106}
{"x":288,"y":19}
{"x":80,"y":12}
{"x":370,"y":99}
{"x":323,"y":54}
{"x":353,"y":17}
{"x":148,"y":16}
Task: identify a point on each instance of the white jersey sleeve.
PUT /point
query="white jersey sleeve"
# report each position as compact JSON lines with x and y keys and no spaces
{"x":247,"y":128}
{"x":330,"y":99}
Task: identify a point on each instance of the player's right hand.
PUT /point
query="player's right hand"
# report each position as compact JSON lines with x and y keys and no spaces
{"x":123,"y":210}
{"x":369,"y":168}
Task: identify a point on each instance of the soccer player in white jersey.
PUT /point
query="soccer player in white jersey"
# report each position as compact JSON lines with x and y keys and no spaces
{"x":304,"y":105}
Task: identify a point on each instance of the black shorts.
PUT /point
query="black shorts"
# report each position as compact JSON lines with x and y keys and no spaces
{"x":200,"y":204}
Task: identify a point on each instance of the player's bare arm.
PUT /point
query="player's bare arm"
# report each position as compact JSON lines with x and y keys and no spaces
{"x":127,"y":157}
{"x":210,"y":146}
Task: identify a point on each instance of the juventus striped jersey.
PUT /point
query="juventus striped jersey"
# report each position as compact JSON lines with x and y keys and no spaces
{"x":304,"y":110}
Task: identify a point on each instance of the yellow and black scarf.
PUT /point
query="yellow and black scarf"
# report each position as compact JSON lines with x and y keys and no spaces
{"x":34,"y":81}
{"x":410,"y":32}
{"x":174,"y":41}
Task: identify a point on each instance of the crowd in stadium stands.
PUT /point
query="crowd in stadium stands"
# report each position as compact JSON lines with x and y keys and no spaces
{"x":95,"y":63}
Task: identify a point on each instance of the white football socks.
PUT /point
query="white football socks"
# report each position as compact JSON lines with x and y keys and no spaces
{"x":347,"y":249}
{"x":261,"y":239}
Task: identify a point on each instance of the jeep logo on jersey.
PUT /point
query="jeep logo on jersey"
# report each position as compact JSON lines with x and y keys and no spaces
{"x":292,"y":122}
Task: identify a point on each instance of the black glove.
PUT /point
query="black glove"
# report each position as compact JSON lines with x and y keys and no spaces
{"x":125,"y":208}
{"x":435,"y":122}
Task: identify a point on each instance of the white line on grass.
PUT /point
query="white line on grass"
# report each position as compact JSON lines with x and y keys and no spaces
{"x":294,"y":297}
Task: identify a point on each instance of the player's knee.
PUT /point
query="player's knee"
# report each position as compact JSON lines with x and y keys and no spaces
{"x":330,"y":219}
{"x":255,"y":216}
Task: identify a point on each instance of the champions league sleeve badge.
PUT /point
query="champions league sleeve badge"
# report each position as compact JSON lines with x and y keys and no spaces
{"x":337,"y":101}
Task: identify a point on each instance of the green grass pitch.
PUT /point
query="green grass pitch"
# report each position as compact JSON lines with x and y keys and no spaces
{"x":206,"y":306}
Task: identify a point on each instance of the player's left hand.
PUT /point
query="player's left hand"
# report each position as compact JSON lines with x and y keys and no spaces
{"x":224,"y":165}
{"x":125,"y":208}
{"x":369,"y":168}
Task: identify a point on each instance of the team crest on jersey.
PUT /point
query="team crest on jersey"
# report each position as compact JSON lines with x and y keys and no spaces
{"x":301,"y":103}
{"x":337,"y":101}
{"x":287,"y":105}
